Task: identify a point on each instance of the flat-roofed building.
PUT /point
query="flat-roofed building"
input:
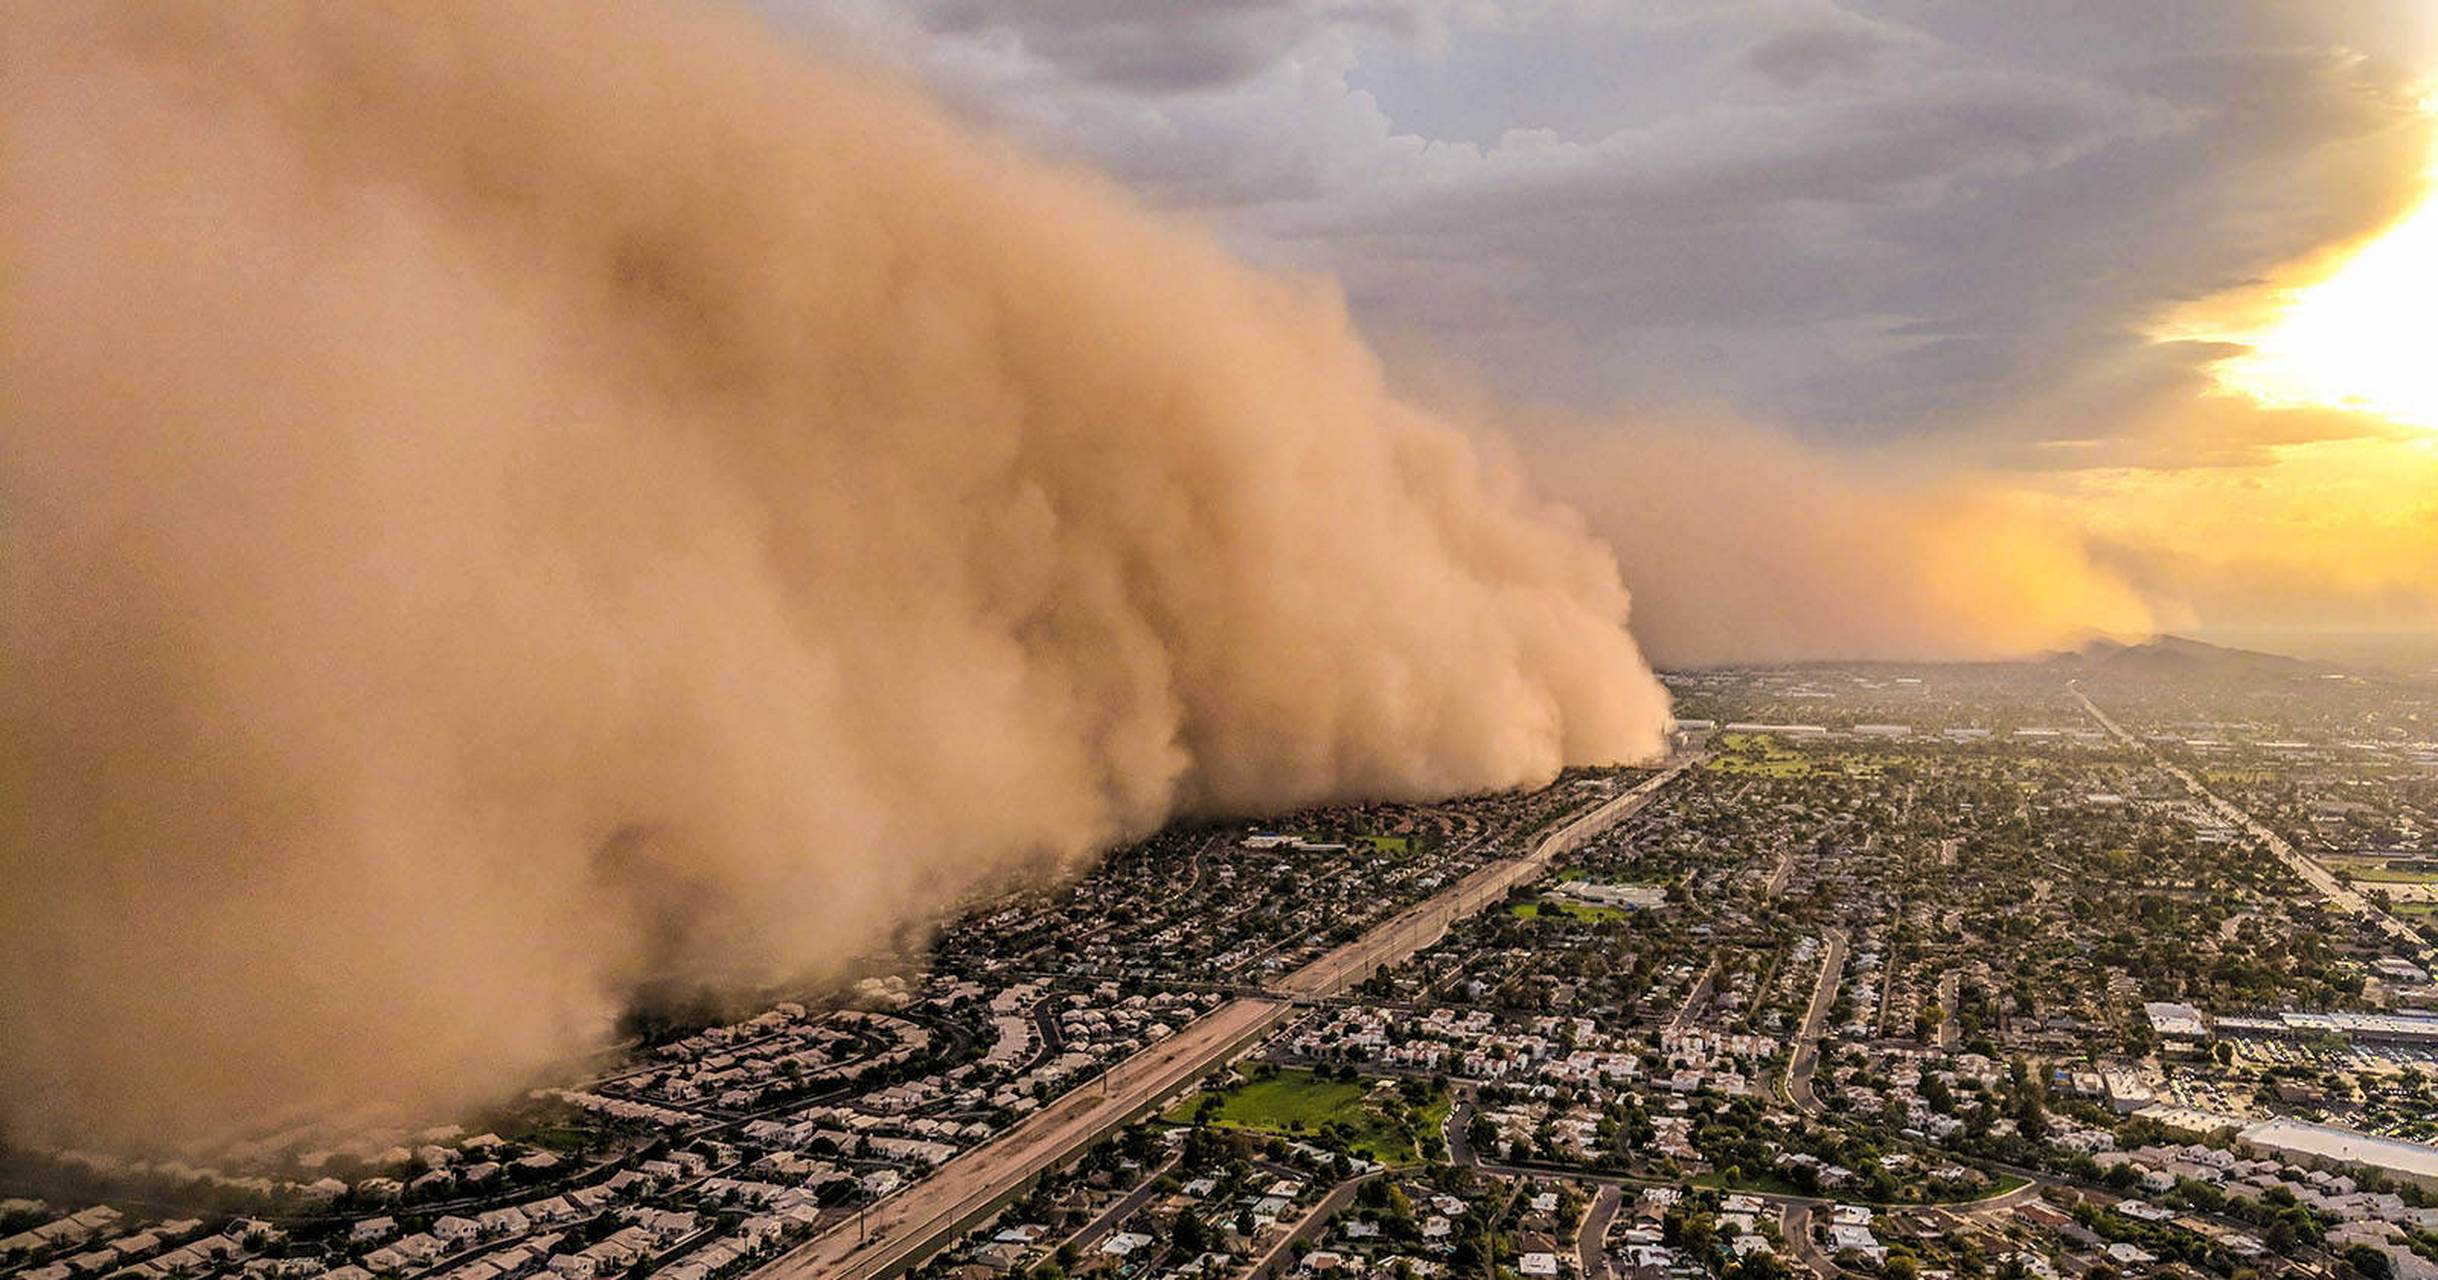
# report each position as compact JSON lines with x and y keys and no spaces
{"x":2327,"y":1146}
{"x":2176,"y":1021}
{"x":2127,"y":1091}
{"x":1632,"y":897}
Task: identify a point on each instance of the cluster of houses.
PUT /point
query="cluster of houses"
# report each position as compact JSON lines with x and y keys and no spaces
{"x":2267,"y":1158}
{"x":1098,"y":1027}
{"x":92,"y":1242}
{"x":100,"y":1242}
{"x":733,"y":1068}
{"x":435,"y":1161}
{"x":1898,"y":1076}
{"x":1548,"y":1050}
{"x":888,"y":1136}
{"x":780,"y":1168}
{"x":1239,"y":1220}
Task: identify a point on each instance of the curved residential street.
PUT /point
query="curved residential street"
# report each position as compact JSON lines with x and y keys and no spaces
{"x":1806,"y":1058}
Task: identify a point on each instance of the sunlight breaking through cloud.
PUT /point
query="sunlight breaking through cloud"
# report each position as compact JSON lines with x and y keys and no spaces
{"x":2359,"y":340}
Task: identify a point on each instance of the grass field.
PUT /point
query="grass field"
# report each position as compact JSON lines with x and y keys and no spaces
{"x":1378,"y":844}
{"x":1434,"y":1114}
{"x":1296,"y":1104}
{"x":2375,"y":871}
{"x":1771,"y":762}
{"x":1761,"y":755}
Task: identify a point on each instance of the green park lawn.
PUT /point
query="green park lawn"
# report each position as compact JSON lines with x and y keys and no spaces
{"x":1760,"y":755}
{"x":1296,"y":1104}
{"x":2372,"y":873}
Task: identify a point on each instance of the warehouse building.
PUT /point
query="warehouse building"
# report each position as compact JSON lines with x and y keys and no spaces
{"x":2326,"y":1146}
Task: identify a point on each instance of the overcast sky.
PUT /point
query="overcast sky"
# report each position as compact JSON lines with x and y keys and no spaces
{"x":1865,"y":220}
{"x":1935,"y":235}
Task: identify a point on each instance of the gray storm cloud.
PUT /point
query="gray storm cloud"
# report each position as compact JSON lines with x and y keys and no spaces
{"x":501,"y":504}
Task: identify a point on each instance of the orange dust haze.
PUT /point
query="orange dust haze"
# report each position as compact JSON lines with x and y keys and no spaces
{"x":501,"y":504}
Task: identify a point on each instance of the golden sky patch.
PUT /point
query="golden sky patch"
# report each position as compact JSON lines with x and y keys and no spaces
{"x":2361,"y":337}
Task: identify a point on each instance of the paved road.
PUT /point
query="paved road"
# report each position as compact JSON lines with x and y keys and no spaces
{"x":1776,"y":884}
{"x":1807,"y":1043}
{"x":2024,"y":1194}
{"x":1795,"y":1224}
{"x":1458,"y":1128}
{"x":1695,"y":998}
{"x":1308,"y":1229}
{"x":1426,"y":922}
{"x":2337,"y":892}
{"x":1951,"y":989}
{"x":1124,"y":1208}
{"x":903,"y":1229}
{"x":1591,"y":1240}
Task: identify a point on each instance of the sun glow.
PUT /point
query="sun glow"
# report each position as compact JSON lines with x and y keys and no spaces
{"x":2364,"y":339}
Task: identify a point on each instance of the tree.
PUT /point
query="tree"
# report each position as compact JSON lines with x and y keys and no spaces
{"x":2370,"y":1261}
{"x":1758,"y":1266}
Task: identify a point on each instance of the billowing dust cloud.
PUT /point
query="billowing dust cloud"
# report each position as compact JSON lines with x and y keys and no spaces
{"x":1746,"y":546}
{"x":503,"y":503}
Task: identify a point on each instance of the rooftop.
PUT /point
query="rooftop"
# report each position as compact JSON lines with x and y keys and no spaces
{"x":2329,"y":1142}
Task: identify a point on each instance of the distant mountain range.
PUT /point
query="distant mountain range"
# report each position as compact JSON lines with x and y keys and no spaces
{"x":2180,"y":656}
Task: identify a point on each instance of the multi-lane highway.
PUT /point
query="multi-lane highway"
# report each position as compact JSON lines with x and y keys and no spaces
{"x":2339,"y":894}
{"x":904,"y":1229}
{"x":1426,"y":922}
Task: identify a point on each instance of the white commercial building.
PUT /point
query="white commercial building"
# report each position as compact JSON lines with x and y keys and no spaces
{"x":2327,"y":1146}
{"x":2176,"y":1021}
